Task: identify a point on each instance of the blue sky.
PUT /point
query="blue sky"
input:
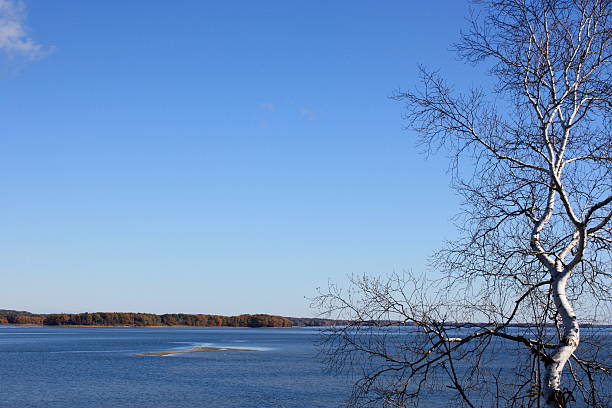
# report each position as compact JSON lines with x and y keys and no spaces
{"x":214,"y":157}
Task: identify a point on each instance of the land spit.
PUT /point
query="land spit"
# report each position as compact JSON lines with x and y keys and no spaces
{"x":193,"y":350}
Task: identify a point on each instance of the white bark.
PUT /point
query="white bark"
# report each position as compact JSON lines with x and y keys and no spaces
{"x":552,"y":393}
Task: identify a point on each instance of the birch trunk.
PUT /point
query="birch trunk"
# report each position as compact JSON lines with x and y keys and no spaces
{"x":552,"y":393}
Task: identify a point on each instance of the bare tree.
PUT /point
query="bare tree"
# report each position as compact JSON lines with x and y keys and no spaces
{"x":535,"y":242}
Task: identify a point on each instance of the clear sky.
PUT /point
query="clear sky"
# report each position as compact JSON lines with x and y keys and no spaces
{"x":214,"y":157}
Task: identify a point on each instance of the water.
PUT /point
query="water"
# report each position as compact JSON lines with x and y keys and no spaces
{"x":96,"y":367}
{"x":61,"y":367}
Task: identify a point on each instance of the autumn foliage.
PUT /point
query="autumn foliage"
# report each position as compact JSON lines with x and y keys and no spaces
{"x":143,"y":319}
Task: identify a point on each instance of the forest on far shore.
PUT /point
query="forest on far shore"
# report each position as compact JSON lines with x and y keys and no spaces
{"x":149,"y":319}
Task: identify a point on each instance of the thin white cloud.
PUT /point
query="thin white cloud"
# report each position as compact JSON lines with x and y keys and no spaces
{"x":269,"y":106}
{"x":14,"y":40}
{"x":307,"y":113}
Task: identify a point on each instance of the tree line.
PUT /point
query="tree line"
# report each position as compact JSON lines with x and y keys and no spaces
{"x":20,"y":317}
{"x":150,"y":319}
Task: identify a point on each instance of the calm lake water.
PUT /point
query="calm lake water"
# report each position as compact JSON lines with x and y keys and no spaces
{"x":96,"y":367}
{"x":60,"y":367}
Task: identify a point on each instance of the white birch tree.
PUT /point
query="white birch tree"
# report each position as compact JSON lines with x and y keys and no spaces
{"x":536,"y":230}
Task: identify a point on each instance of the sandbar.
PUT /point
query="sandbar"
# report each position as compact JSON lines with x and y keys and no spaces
{"x":193,"y":350}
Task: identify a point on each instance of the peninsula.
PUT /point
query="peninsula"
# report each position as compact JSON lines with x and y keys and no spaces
{"x":116,"y":319}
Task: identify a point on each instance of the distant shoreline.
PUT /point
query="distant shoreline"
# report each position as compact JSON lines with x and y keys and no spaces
{"x":130,"y":319}
{"x":463,"y":325}
{"x":145,"y":327}
{"x":205,"y":321}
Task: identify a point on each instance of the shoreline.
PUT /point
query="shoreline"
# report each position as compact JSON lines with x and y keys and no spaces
{"x":202,"y":349}
{"x":150,"y":327}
